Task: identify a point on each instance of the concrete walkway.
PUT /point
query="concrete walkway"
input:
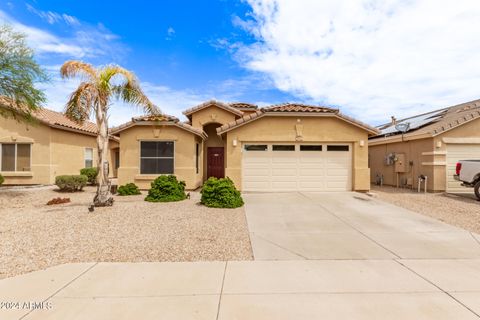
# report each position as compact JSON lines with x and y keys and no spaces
{"x":319,"y":256}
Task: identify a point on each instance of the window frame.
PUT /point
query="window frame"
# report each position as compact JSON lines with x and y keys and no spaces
{"x":85,"y":156}
{"x":255,"y":144}
{"x":140,"y":156}
{"x":311,"y":145}
{"x":338,"y":145}
{"x":284,"y":145}
{"x":15,"y":156}
{"x":197,"y":157}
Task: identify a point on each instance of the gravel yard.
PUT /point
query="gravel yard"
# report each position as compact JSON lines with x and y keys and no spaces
{"x":34,"y":236}
{"x":460,"y":211}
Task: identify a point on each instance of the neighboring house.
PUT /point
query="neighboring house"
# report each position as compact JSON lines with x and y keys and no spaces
{"x":34,"y":153}
{"x":431,"y":146}
{"x":285,"y":147}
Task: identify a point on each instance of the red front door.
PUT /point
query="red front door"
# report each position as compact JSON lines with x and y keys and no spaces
{"x":215,"y":162}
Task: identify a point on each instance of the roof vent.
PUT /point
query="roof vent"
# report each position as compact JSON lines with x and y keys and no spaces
{"x":394,"y":120}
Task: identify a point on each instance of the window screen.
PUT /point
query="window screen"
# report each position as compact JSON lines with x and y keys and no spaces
{"x":88,"y":157}
{"x":255,"y":147}
{"x":283,"y":147}
{"x":311,"y":147}
{"x":337,"y":148}
{"x":8,"y":157}
{"x":156,"y":157}
{"x":15,"y":157}
{"x":23,"y":157}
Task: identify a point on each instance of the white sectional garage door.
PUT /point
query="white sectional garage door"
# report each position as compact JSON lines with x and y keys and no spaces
{"x":297,"y":167}
{"x":455,"y":153}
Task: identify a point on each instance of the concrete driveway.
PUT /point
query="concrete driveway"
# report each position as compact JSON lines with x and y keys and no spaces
{"x":292,"y":226}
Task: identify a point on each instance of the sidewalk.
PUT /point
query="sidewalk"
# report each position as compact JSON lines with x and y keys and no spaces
{"x":304,"y":289}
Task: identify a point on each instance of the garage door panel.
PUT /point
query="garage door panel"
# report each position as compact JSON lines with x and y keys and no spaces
{"x":455,"y":153}
{"x":297,"y":170}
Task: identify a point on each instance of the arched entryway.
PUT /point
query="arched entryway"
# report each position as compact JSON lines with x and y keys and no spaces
{"x":214,"y":152}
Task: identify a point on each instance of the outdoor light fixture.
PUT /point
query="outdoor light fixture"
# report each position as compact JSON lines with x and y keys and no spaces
{"x":234,"y":142}
{"x":362,"y":143}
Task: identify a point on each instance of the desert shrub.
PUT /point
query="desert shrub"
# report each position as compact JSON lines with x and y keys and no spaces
{"x":58,"y":201}
{"x":2,"y":179}
{"x":129,"y":189}
{"x":220,"y":193}
{"x":71,"y":183}
{"x":91,"y":174}
{"x":166,"y":189}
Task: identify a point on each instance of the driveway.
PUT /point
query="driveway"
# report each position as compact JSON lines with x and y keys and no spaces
{"x":339,"y":226}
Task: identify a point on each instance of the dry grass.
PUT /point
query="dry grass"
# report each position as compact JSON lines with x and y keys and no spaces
{"x":459,"y":210}
{"x":35,"y":236}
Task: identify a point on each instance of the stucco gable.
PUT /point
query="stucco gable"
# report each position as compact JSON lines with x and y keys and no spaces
{"x":214,"y":103}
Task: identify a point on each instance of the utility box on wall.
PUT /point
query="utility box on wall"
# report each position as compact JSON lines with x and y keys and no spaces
{"x":400,"y":163}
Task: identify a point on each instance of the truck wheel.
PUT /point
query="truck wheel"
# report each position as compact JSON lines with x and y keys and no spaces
{"x":477,"y":190}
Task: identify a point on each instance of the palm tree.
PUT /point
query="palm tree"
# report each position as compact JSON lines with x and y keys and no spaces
{"x":93,"y":95}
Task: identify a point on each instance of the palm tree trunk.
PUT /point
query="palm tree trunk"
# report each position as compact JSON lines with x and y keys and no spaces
{"x":103,"y":197}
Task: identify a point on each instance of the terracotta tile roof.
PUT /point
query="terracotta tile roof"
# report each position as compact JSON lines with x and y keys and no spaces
{"x":243,"y":105}
{"x":162,"y":119}
{"x":216,"y":103}
{"x":432,"y":123}
{"x":298,"y":107}
{"x":54,"y":118}
{"x":294,"y":108}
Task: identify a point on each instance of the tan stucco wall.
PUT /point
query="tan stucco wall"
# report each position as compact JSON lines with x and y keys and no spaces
{"x":212,"y":114}
{"x":413,"y":153}
{"x":283,"y":129}
{"x":54,"y":151}
{"x":184,"y":167}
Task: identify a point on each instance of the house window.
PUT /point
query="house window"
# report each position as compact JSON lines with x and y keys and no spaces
{"x":88,"y":157}
{"x":255,"y":147}
{"x":197,"y":156}
{"x":311,"y":147}
{"x":283,"y":147}
{"x":15,"y":157}
{"x":337,"y":148}
{"x":156,"y":157}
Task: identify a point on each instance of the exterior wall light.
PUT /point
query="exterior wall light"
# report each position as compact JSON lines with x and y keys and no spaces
{"x":362,"y":143}
{"x":234,"y":142}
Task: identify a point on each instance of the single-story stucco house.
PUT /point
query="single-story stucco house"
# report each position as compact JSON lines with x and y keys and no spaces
{"x":431,"y":145}
{"x":36,"y":152}
{"x":285,"y":147}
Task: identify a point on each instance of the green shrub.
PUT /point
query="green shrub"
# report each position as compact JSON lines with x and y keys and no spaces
{"x":166,"y":189}
{"x":129,"y":189}
{"x":91,"y":174}
{"x":71,"y":183}
{"x":220,"y":193}
{"x":2,"y":179}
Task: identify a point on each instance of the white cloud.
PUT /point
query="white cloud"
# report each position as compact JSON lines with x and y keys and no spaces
{"x":374,"y":58}
{"x":54,"y":17}
{"x":170,"y":33}
{"x":85,"y":42}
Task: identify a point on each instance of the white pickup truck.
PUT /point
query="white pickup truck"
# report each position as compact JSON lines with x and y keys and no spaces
{"x":468,"y":172}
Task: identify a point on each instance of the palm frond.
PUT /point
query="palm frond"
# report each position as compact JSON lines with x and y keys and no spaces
{"x":135,"y":96}
{"x":81,"y":103}
{"x":74,"y":68}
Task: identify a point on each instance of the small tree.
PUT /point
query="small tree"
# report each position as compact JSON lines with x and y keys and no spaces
{"x":18,"y":75}
{"x":94,"y":95}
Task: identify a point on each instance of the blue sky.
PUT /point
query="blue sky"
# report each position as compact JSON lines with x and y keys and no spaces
{"x":371,"y":58}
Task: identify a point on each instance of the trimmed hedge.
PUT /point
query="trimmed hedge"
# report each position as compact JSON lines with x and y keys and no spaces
{"x":166,"y":189}
{"x":220,"y":193}
{"x":71,"y":183}
{"x":129,"y":189}
{"x":91,"y":174}
{"x":2,"y":179}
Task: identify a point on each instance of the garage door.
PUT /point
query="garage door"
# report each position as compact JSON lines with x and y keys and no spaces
{"x":297,"y":167}
{"x":456,"y":152}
